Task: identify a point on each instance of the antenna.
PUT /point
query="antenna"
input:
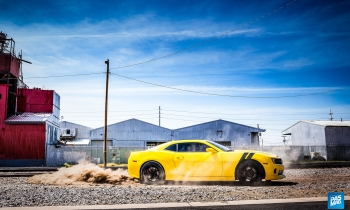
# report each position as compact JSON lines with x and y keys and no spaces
{"x":284,"y":141}
{"x":330,"y":113}
{"x":159,"y":116}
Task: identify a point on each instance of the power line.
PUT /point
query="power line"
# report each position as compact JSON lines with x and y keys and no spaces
{"x":206,"y":41}
{"x":232,"y":96}
{"x":211,"y":113}
{"x":117,"y":118}
{"x":108,"y":116}
{"x":118,"y":111}
{"x":228,"y":119}
{"x":68,"y":75}
{"x":248,"y":114}
{"x":206,"y":121}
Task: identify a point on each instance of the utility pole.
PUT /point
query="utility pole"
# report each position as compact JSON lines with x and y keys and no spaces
{"x":106,"y":112}
{"x":159,"y":116}
{"x":284,"y":141}
{"x":330,"y":113}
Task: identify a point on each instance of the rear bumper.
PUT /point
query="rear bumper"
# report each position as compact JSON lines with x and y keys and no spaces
{"x":134,"y":169}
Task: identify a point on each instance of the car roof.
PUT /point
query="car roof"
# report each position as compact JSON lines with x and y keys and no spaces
{"x":162,"y":146}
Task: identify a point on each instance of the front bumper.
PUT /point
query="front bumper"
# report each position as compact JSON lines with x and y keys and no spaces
{"x":274,"y":172}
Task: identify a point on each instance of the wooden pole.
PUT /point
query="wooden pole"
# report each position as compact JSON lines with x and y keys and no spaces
{"x":106,"y":112}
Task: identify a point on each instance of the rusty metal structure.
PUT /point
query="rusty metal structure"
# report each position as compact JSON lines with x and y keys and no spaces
{"x":29,"y":118}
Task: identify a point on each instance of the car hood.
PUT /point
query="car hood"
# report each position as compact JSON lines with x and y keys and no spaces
{"x":267,"y":154}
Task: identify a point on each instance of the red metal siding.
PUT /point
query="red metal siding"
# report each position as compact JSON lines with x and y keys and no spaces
{"x":3,"y":104}
{"x":22,"y":142}
{"x":5,"y":64}
{"x":35,"y":100}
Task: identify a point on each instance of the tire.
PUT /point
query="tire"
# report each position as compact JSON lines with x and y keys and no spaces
{"x":152,"y":173}
{"x":250,"y":172}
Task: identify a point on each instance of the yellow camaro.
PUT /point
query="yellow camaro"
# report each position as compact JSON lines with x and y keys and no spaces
{"x":201,"y":160}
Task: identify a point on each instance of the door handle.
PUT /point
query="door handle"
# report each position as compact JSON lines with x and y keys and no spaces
{"x":179,"y":157}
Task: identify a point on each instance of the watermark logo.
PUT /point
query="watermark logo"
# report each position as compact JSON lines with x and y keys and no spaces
{"x":335,"y":200}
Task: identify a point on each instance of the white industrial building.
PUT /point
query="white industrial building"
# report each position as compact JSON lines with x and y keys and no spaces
{"x":330,"y":138}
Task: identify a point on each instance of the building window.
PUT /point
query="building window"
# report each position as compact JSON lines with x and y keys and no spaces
{"x":219,"y":133}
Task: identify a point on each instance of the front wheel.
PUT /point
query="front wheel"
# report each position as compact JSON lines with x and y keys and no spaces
{"x":250,"y":171}
{"x":152,"y":173}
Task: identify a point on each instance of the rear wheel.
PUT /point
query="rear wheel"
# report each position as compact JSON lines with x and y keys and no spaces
{"x":250,"y":172}
{"x":152,"y":173}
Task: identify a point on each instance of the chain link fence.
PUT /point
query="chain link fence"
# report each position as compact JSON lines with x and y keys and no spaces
{"x":57,"y":156}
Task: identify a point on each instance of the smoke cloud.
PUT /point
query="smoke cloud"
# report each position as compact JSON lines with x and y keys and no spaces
{"x":84,"y":173}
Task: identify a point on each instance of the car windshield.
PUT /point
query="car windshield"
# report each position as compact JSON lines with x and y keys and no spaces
{"x":223,"y":148}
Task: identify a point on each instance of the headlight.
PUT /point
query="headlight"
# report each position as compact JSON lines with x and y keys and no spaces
{"x":277,"y":161}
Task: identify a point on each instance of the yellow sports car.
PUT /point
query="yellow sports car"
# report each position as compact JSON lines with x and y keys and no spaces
{"x":201,"y":160}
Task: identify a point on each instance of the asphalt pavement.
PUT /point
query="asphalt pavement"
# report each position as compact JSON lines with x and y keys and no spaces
{"x":290,"y":204}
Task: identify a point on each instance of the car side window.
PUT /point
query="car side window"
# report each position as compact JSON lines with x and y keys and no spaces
{"x":171,"y":148}
{"x":183,"y":147}
{"x":192,"y":147}
{"x":201,"y":147}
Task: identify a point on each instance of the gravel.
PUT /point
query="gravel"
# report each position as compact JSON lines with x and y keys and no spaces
{"x":16,"y":191}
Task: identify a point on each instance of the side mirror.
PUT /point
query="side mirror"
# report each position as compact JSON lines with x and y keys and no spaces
{"x":211,"y":150}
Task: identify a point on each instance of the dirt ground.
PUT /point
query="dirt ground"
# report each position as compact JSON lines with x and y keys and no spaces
{"x":65,"y":188}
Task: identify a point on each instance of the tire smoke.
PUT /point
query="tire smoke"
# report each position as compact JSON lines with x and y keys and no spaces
{"x":84,"y":173}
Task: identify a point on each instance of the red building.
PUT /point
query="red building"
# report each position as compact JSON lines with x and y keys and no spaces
{"x":29,"y":118}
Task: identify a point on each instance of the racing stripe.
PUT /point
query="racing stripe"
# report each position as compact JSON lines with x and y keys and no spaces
{"x":243,"y":156}
{"x":250,"y":155}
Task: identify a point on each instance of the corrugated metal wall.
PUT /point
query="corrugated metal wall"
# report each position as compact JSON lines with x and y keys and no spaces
{"x":132,"y":132}
{"x":3,"y":104}
{"x":307,"y":134}
{"x":338,"y":135}
{"x":136,"y":133}
{"x":5,"y":65}
{"x":22,"y":142}
{"x":219,"y":130}
{"x":35,"y":101}
{"x":56,"y":110}
{"x":52,"y":133}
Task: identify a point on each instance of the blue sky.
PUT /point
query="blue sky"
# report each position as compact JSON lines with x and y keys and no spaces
{"x":301,"y":49}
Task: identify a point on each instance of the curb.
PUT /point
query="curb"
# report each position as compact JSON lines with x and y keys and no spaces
{"x":174,"y":205}
{"x":317,"y":165}
{"x":26,"y":169}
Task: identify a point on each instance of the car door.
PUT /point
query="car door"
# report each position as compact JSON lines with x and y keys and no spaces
{"x":192,"y":160}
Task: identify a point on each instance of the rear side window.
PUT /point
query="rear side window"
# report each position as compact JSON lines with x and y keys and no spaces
{"x":171,"y":148}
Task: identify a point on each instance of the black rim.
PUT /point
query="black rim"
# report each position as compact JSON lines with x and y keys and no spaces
{"x":151,"y":174}
{"x":249,"y":173}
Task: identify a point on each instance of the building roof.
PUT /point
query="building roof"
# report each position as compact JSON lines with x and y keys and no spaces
{"x":215,"y":121}
{"x":133,"y":120}
{"x":325,"y":123}
{"x":329,"y":123}
{"x":28,"y":118}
